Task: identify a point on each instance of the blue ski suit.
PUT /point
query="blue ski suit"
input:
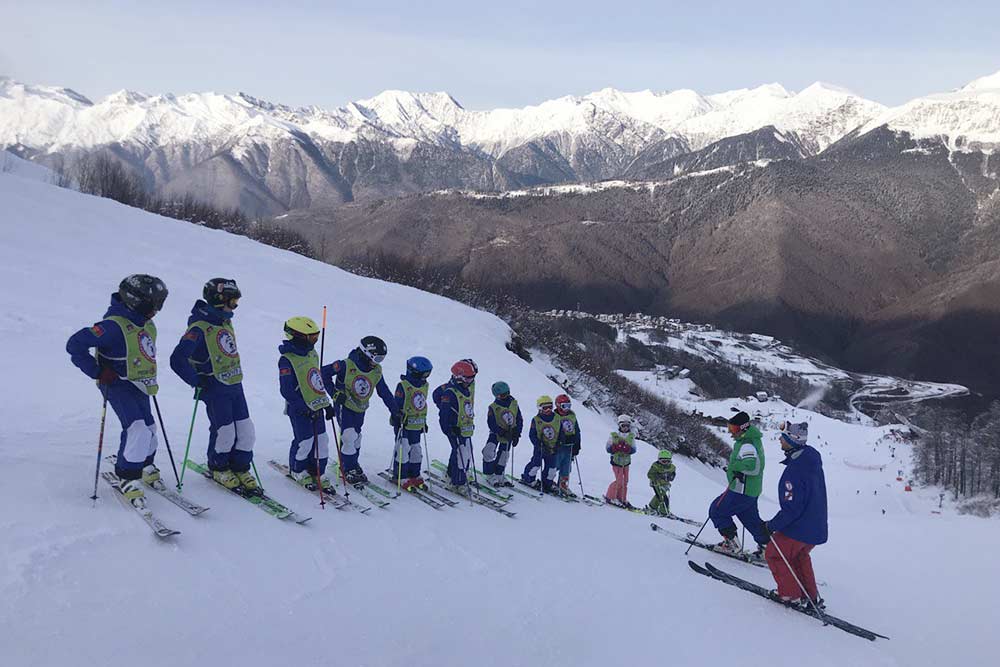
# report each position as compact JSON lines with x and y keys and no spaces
{"x":351,"y":421}
{"x":231,"y":434}
{"x":307,"y":425}
{"x":460,"y":460}
{"x":137,"y":447}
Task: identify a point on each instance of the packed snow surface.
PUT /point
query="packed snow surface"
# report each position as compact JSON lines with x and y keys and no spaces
{"x":559,"y":584}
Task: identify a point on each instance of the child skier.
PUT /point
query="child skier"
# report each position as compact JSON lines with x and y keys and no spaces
{"x":456,"y":416}
{"x":206,"y":358}
{"x":354,"y":380}
{"x":660,"y":475}
{"x":410,"y":422}
{"x":569,"y":442}
{"x":505,"y":423}
{"x":306,"y":402}
{"x":621,"y":446}
{"x":125,"y":369}
{"x":544,"y":436}
{"x":801,"y":523}
{"x":745,"y":477}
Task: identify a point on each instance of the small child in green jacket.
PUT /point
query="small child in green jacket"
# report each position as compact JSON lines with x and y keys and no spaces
{"x":660,"y":475}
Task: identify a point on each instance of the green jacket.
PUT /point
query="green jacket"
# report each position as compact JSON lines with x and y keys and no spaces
{"x":660,"y":474}
{"x":748,"y":460}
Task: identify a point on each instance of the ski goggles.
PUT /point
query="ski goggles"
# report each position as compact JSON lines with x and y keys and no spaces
{"x":565,"y":406}
{"x":545,"y":408}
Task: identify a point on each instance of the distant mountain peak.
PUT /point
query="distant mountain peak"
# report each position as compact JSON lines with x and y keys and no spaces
{"x":989,"y":82}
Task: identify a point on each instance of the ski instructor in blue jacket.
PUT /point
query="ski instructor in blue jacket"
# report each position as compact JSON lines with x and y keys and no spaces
{"x":801,"y":523}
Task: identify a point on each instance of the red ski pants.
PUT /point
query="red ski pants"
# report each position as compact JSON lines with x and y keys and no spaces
{"x":797,"y":554}
{"x":619,"y":488}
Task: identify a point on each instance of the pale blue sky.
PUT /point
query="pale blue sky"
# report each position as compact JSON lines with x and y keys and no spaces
{"x":501,"y":53}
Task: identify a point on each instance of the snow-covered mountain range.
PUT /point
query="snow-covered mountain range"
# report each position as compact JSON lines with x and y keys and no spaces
{"x":238,"y":150}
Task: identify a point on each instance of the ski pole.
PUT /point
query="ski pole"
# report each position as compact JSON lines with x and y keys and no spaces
{"x":319,"y":473}
{"x":100,"y":443}
{"x":472,"y":455}
{"x":257,"y":475}
{"x":819,"y":613}
{"x":691,"y":544}
{"x":340,"y":458}
{"x":579,"y":477}
{"x":166,"y":442}
{"x":319,"y":485}
{"x":461,"y":461}
{"x":427,"y":456}
{"x":194,"y":413}
{"x":399,"y":461}
{"x":510,"y":448}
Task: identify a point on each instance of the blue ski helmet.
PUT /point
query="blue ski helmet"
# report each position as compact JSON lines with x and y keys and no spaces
{"x":419,"y":367}
{"x":500,"y":388}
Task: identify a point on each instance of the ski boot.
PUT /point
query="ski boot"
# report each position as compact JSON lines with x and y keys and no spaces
{"x":327,"y":486}
{"x":564,"y":488}
{"x":249,"y":483}
{"x":132,"y":490}
{"x":758,"y":555}
{"x":729,"y":546}
{"x":151,"y":474}
{"x":304,"y":478}
{"x":504,"y":481}
{"x":413,"y":484}
{"x":226,"y":478}
{"x":356,"y":477}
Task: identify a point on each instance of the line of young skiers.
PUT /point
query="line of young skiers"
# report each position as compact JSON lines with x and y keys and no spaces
{"x":207,"y":359}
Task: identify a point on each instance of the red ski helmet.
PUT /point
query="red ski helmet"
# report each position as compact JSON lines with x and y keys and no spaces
{"x":563,"y":402}
{"x":463,"y":371}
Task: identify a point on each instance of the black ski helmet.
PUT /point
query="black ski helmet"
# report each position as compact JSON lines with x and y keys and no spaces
{"x":221,"y":292}
{"x":374,"y":348}
{"x":142,"y":293}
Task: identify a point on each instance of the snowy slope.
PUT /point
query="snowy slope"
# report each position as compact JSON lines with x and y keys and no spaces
{"x":558,"y":585}
{"x":964,"y":117}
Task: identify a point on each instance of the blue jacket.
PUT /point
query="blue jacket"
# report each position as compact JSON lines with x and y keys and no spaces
{"x":333,"y":376}
{"x":107,"y":337}
{"x":496,"y":429}
{"x":802,"y":492}
{"x":447,"y":408}
{"x":288,"y":382}
{"x":190,"y":358}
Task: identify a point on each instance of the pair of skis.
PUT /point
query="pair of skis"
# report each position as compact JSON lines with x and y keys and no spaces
{"x":713,"y":572}
{"x":438,"y":473}
{"x":741,"y":556}
{"x":261,"y":501}
{"x":426,"y":495}
{"x":339,"y":502}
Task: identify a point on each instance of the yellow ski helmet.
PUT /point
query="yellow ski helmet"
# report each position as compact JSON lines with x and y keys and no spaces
{"x":300,"y":326}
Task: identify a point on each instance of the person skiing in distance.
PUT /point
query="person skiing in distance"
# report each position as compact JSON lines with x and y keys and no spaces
{"x":660,"y":475}
{"x":801,"y":523}
{"x":206,"y":358}
{"x":745,"y":475}
{"x":505,"y":425}
{"x":569,"y":442}
{"x":456,"y":417}
{"x":621,"y":446}
{"x":409,"y":422}
{"x":306,"y":404}
{"x":125,"y":369}
{"x":355,"y":379}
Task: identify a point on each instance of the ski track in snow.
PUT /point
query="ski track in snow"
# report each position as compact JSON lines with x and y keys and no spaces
{"x":558,"y":585}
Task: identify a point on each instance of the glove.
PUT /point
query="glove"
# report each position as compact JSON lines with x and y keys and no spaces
{"x":513,"y":443}
{"x":455,"y":432}
{"x":425,"y":428}
{"x":740,"y":476}
{"x":330,"y":412}
{"x":766,"y":531}
{"x":107,"y":376}
{"x":576,"y":450}
{"x":339,"y":397}
{"x":395,"y":420}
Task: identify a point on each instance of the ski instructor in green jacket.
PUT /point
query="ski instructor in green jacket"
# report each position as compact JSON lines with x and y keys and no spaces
{"x":745,"y":475}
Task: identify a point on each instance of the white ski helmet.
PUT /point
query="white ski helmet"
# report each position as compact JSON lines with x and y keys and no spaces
{"x":624,"y":419}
